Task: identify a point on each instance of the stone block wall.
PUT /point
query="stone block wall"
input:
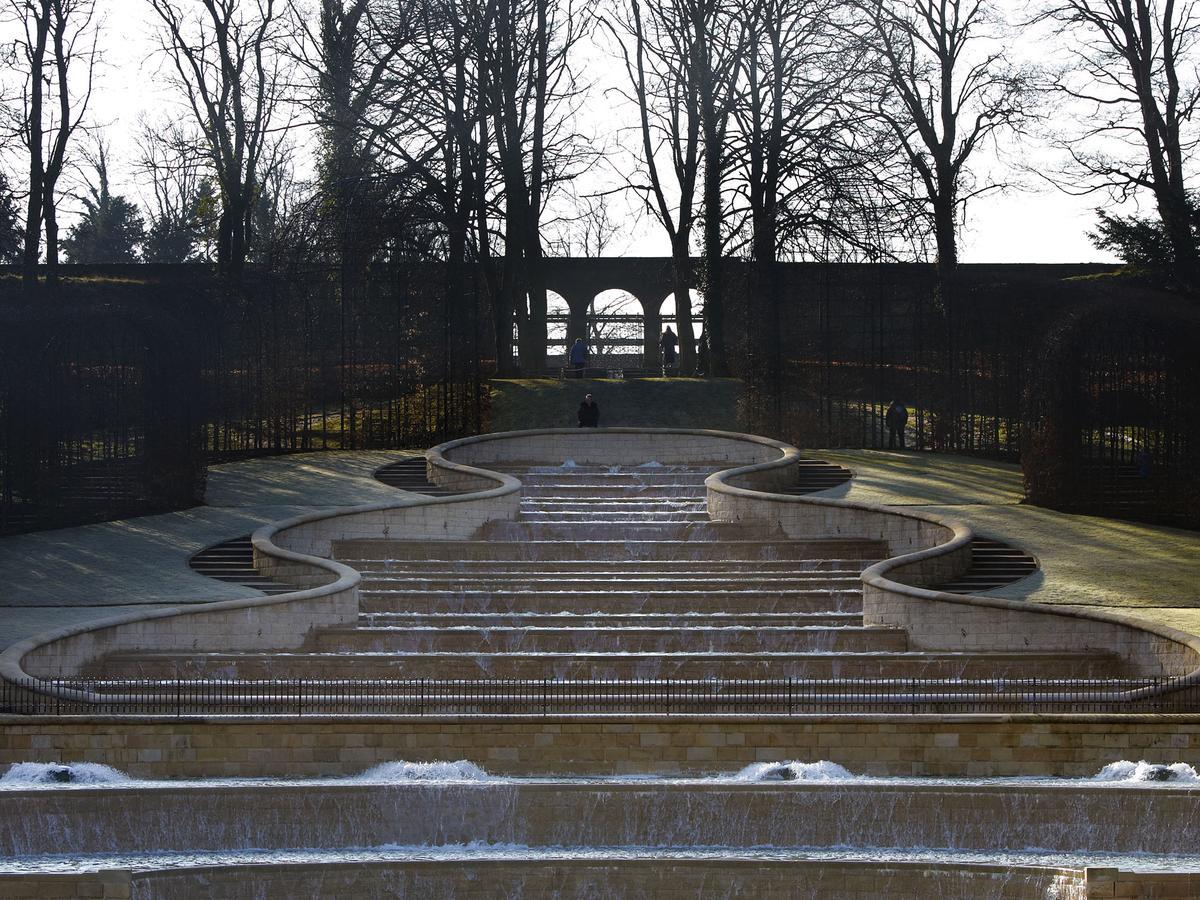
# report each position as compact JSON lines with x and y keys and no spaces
{"x":565,"y":877}
{"x":956,"y":746}
{"x":814,"y":879}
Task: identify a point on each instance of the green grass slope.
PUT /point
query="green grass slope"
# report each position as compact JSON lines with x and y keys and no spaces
{"x":653,"y":402}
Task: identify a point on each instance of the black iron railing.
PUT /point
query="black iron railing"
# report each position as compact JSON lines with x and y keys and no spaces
{"x":559,"y":697}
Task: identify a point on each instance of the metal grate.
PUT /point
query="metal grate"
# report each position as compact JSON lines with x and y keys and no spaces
{"x":554,"y":697}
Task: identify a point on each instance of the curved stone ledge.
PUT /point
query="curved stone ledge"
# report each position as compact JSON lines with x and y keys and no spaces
{"x":623,"y":446}
{"x":926,"y":549}
{"x":931,"y":549}
{"x":292,"y":551}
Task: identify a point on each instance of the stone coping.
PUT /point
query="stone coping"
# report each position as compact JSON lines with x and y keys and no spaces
{"x":344,"y":580}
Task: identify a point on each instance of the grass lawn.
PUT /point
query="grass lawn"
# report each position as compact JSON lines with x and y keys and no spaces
{"x":1147,"y":570}
{"x":521,"y":403}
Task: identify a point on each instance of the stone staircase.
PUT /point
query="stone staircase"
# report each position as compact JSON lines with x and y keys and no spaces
{"x":614,"y":573}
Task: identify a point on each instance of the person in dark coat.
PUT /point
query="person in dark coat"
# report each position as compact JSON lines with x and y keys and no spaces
{"x":579,"y":356}
{"x":896,"y":418}
{"x":667,"y":342}
{"x":589,"y":413}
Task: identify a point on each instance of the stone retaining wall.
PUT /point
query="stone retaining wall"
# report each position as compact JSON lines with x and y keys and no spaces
{"x":929,"y":549}
{"x":618,"y":447}
{"x":309,"y":747}
{"x":785,"y":880}
{"x":814,"y":879}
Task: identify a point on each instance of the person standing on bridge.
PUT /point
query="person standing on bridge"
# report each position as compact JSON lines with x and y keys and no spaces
{"x":667,"y":342}
{"x":589,"y":413}
{"x":579,"y":356}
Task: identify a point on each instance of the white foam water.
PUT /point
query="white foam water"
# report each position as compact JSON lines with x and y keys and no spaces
{"x":1124,"y":770}
{"x":822,"y":770}
{"x":31,"y":773}
{"x":401,"y":770}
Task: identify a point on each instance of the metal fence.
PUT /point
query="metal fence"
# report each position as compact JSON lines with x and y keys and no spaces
{"x":564,"y":697}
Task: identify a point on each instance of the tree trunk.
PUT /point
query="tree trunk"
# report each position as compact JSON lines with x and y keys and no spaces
{"x":714,"y":280}
{"x":946,"y":431}
{"x":681,"y":274}
{"x":50,"y":215}
{"x":33,"y":231}
{"x":1177,"y":222}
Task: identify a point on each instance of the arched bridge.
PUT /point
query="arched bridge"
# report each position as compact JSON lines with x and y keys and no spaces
{"x":579,"y":280}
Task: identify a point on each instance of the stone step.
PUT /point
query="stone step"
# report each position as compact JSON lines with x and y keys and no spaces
{"x":631,"y":517}
{"x":592,"y":638}
{"x":616,"y":550}
{"x":643,"y":491}
{"x":697,"y":532}
{"x":609,"y":620}
{"x":666,"y":568}
{"x":541,"y":468}
{"x":601,"y":478}
{"x":377,"y":581}
{"x":475,"y":666}
{"x":818,"y":601}
{"x":567,"y":509}
{"x":411,"y":475}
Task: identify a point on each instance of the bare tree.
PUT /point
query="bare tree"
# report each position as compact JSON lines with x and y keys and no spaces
{"x":348,"y":54}
{"x":1134,"y":74}
{"x":227,"y":63}
{"x":717,"y":41}
{"x":181,"y":202}
{"x":655,"y":41}
{"x":57,"y":49}
{"x":944,"y":87}
{"x":530,"y":89}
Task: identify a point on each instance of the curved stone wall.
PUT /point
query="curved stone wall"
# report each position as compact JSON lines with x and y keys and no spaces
{"x":932,"y":549}
{"x":927,"y":549}
{"x":293,"y":552}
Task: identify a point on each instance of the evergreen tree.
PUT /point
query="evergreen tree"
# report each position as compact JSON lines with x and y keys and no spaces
{"x":1142,"y":242}
{"x":111,"y":230}
{"x":12,"y":235}
{"x":178,"y":235}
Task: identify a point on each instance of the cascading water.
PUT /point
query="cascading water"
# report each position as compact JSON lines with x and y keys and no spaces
{"x":615,"y":571}
{"x":81,"y":773}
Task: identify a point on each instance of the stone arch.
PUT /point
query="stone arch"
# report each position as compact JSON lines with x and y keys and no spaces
{"x":616,"y":323}
{"x":558,"y":322}
{"x":579,"y":280}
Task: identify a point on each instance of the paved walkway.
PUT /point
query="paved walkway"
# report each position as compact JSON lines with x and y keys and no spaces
{"x":1150,"y":571}
{"x":55,"y":578}
{"x":73,"y":575}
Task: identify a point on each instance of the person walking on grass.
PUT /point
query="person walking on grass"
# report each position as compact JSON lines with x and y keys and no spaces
{"x":589,"y":413}
{"x":579,"y":356}
{"x":896,"y":418}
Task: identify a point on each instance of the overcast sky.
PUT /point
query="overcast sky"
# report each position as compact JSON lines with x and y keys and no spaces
{"x":1035,"y":224}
